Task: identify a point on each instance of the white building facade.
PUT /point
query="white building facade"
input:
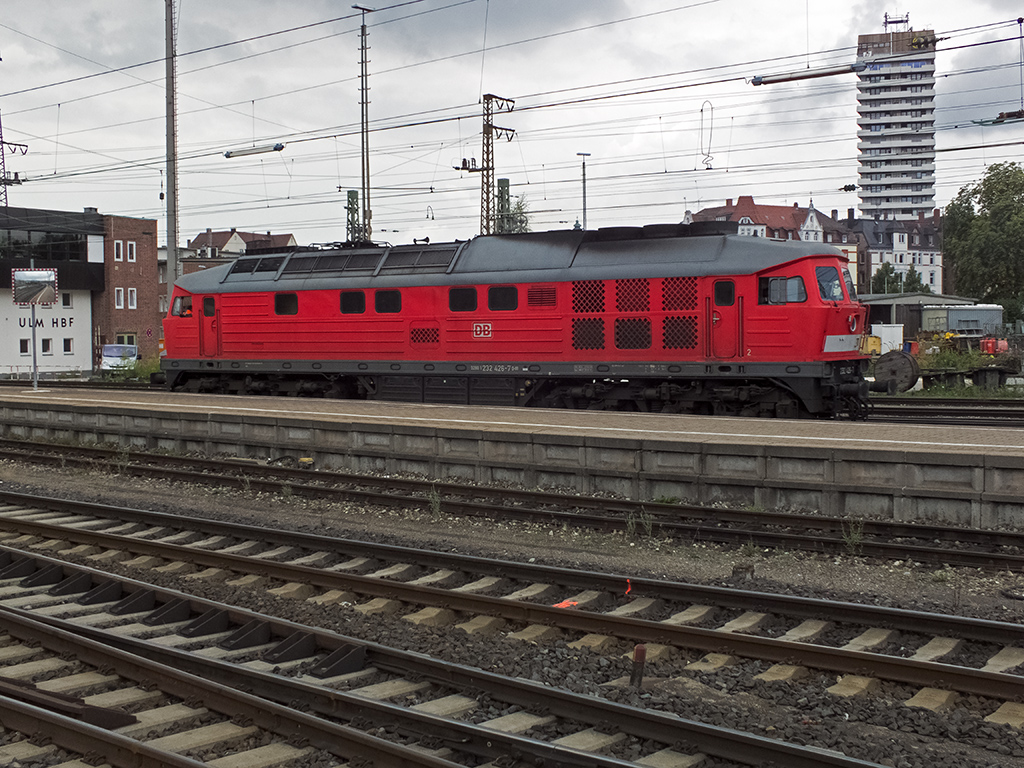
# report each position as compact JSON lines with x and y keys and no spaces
{"x":63,"y":338}
{"x":896,"y":124}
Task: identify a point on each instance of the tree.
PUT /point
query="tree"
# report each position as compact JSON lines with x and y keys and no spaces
{"x":520,"y":215}
{"x":912,"y":282}
{"x":885,"y":280}
{"x":515,"y":220}
{"x":983,"y":238}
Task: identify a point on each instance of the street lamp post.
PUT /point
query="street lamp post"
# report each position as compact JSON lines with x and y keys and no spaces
{"x":584,"y":155}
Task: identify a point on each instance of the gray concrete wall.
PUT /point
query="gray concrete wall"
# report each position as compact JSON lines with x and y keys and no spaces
{"x":968,"y":489}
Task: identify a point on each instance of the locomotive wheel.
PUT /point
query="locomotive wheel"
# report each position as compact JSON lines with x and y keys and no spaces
{"x":898,"y":369}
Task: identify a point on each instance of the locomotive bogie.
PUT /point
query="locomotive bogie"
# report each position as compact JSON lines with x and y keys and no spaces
{"x":647,"y":322}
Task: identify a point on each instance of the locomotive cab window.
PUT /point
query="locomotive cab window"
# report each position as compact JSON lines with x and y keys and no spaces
{"x":209,"y":306}
{"x":182,"y":306}
{"x":462,"y":299}
{"x":725,"y":293}
{"x":286,"y":303}
{"x":781,"y":290}
{"x":850,"y":290}
{"x":385,"y":302}
{"x":353,"y":302}
{"x":502,"y":298}
{"x":830,"y":286}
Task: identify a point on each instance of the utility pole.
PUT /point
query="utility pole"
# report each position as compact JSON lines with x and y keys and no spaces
{"x":486,"y":170}
{"x":172,"y":150}
{"x":584,"y":155}
{"x":5,"y":180}
{"x":364,"y":128}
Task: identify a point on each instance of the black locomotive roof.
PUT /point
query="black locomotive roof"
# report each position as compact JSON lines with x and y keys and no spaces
{"x":659,"y":250}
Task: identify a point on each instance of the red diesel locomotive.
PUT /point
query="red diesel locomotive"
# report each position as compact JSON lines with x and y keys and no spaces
{"x":662,"y":318}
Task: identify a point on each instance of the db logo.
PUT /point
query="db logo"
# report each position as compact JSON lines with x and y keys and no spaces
{"x":481,"y":330}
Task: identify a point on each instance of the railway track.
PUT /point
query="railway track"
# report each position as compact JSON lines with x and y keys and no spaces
{"x":531,"y":602}
{"x":178,"y":658}
{"x":993,"y":550}
{"x":949,"y":412}
{"x":129,"y":703}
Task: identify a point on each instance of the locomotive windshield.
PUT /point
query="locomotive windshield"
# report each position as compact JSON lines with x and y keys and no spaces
{"x":830,"y":286}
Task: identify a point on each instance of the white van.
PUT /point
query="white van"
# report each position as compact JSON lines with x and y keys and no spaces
{"x":119,"y":357}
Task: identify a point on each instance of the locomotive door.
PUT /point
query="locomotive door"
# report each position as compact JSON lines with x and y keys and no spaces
{"x":208,"y":332}
{"x":724,"y":320}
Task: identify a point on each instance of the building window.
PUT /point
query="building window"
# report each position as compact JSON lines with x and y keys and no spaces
{"x":118,"y":251}
{"x":132,"y":298}
{"x":65,"y":300}
{"x":126,"y":338}
{"x":47,"y":346}
{"x":131,"y":250}
{"x":24,"y":344}
{"x":119,"y":298}
{"x":69,"y":346}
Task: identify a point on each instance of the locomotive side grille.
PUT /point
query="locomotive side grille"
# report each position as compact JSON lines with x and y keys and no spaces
{"x":633,"y":333}
{"x":679,"y":294}
{"x":331,"y":263}
{"x":362,"y":261}
{"x":679,"y":333}
{"x":424,"y":335}
{"x":588,"y":333}
{"x":587,"y":296}
{"x":541,"y":296}
{"x":632,"y":296}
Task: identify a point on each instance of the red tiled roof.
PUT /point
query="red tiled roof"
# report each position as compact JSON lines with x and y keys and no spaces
{"x":252,"y":239}
{"x":775,"y":218}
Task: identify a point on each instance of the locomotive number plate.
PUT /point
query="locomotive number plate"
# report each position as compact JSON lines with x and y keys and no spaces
{"x":481,"y":330}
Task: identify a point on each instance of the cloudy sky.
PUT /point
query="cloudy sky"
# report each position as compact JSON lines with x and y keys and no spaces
{"x":657,"y":92}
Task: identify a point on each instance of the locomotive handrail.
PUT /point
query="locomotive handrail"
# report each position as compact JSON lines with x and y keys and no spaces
{"x":455,"y":258}
{"x":383,"y":258}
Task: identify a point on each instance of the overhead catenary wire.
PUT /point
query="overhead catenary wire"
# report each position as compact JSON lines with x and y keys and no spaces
{"x":551,"y":105}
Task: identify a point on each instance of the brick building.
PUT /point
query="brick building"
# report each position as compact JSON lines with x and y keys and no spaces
{"x":127,"y":311}
{"x":107,"y":288}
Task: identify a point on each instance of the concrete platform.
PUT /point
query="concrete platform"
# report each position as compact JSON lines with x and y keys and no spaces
{"x":955,"y":475}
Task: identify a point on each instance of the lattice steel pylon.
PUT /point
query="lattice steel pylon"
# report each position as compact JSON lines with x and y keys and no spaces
{"x":5,"y":180}
{"x":487,"y":161}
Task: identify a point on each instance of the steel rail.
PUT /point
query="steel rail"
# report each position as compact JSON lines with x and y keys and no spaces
{"x":928,"y":674}
{"x":326,"y":483}
{"x":167,"y":666}
{"x":83,"y":738}
{"x":720,"y":742}
{"x":982,"y":630}
{"x":622,"y":511}
{"x":284,"y":721}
